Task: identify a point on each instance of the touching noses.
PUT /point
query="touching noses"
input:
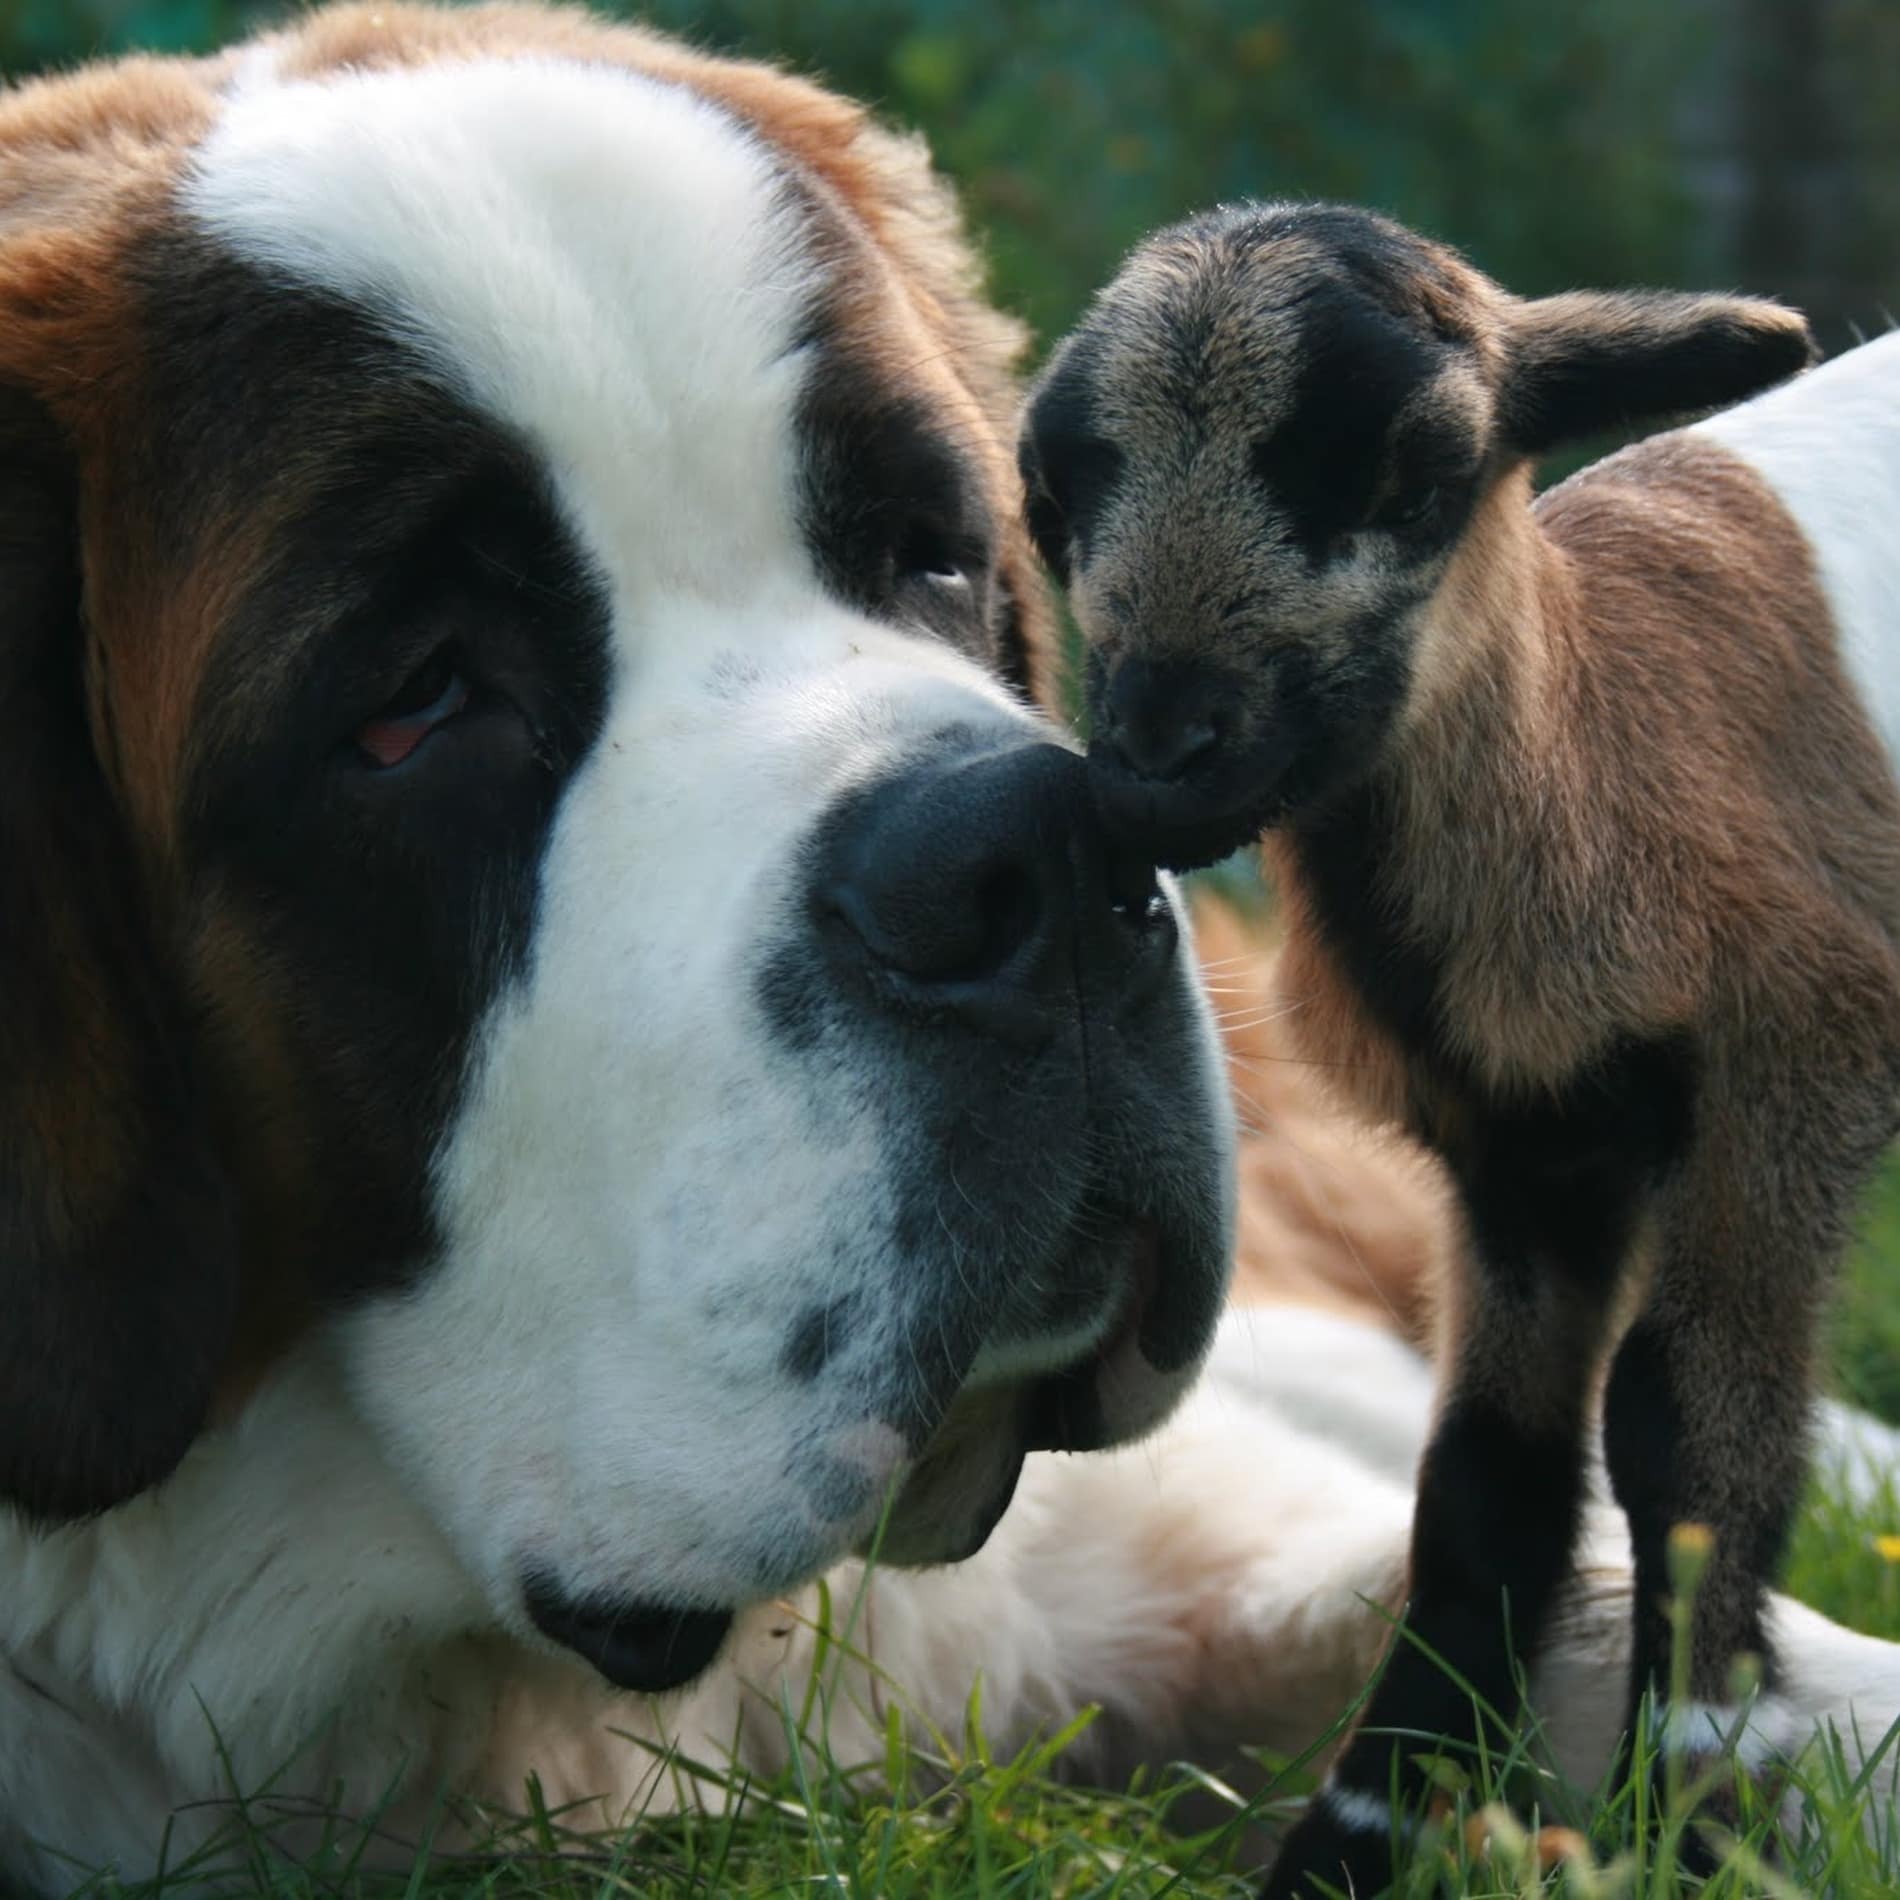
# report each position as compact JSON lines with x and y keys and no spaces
{"x":984,"y":889}
{"x":1177,"y":769}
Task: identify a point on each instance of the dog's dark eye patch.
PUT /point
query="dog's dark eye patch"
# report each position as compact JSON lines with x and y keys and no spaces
{"x":890,"y":506}
{"x":359,"y":920}
{"x":465,"y":553}
{"x":393,"y":904}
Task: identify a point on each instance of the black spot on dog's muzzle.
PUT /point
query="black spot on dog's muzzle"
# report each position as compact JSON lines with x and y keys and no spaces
{"x":646,"y":1647}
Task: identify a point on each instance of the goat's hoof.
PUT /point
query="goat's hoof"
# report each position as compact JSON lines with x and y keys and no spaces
{"x":1320,"y":1856}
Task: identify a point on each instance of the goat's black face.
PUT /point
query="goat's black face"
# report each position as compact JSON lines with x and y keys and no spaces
{"x":1256,"y":460}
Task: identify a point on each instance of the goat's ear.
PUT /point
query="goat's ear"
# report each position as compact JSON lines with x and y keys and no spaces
{"x":1589,"y":361}
{"x":117,"y":1257}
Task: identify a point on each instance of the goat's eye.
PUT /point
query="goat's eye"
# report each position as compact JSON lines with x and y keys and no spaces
{"x":1406,"y":507}
{"x":430,"y":697}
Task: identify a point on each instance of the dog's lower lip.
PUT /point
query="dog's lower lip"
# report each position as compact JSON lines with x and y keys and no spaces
{"x":992,"y":1515}
{"x":1065,"y":1409}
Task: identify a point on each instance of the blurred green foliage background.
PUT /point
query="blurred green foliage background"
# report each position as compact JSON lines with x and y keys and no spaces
{"x":1746,"y":143}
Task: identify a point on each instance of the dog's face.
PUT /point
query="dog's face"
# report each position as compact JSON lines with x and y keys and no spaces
{"x":1271,"y":464}
{"x":569,"y":906}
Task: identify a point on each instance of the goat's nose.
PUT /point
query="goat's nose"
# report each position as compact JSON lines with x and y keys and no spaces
{"x":985,"y":888}
{"x":1163,"y":718}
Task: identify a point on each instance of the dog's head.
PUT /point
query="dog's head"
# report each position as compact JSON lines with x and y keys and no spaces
{"x":1281,"y":462}
{"x":525,"y":859}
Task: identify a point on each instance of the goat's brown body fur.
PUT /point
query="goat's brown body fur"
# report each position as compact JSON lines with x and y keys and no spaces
{"x":1644,"y":801}
{"x":1662,"y":800}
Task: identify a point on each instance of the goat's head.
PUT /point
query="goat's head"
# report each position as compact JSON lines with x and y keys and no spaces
{"x":1258,"y":462}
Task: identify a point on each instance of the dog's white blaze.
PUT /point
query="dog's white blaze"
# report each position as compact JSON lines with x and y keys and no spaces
{"x":1828,"y":443}
{"x":639,"y":338}
{"x":634,"y":1198}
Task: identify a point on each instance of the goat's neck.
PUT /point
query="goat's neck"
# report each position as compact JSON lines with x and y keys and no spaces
{"x":1483,"y":785}
{"x":1494,"y":700}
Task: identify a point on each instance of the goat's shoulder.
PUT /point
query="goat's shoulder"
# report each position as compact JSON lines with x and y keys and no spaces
{"x":1678,"y":546}
{"x":1701,"y":617}
{"x":1827,"y":446}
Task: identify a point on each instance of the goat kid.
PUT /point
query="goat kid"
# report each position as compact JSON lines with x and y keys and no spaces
{"x":1589,"y":849}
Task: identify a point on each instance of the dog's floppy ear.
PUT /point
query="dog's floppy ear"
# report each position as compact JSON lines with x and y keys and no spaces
{"x":117,"y":1257}
{"x":1594,"y":360}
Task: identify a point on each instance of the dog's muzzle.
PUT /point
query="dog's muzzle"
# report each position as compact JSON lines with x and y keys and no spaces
{"x":971,"y":976}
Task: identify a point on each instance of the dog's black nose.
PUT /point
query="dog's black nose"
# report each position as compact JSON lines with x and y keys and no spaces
{"x":639,"y":1646}
{"x":984,"y":885}
{"x":1161,"y":719}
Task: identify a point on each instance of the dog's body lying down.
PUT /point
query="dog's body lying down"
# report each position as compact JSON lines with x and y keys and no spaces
{"x":1208,"y":1588}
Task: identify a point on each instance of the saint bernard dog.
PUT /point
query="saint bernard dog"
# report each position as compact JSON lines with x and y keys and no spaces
{"x":575,"y":1059}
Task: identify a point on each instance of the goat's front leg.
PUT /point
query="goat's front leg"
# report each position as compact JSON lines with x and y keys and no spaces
{"x":1502,"y":1483}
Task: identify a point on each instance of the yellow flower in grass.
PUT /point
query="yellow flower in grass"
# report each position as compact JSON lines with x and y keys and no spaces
{"x":1887,"y":1547}
{"x":1689,"y":1549}
{"x":1494,"y":1832}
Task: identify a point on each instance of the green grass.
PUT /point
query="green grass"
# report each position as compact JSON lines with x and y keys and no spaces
{"x":1867,"y":1315}
{"x":952,"y":1820}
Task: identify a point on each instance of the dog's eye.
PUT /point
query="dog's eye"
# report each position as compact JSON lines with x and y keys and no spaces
{"x":430,"y":697}
{"x":1407,"y":507}
{"x":925,"y":555}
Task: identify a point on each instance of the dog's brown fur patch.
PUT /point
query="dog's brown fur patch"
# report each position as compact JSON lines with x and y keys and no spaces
{"x":1331,"y":1214}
